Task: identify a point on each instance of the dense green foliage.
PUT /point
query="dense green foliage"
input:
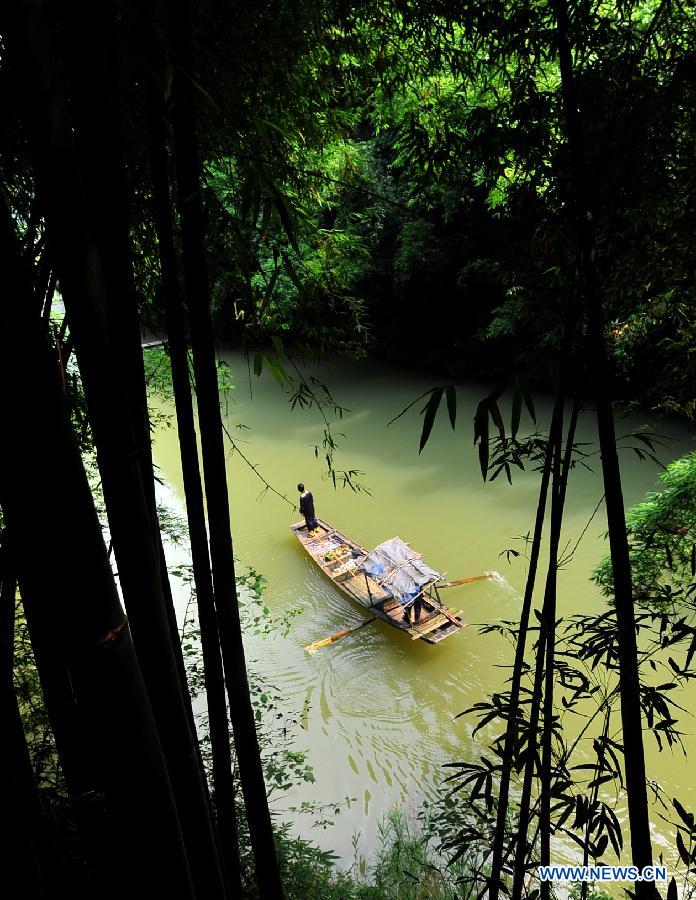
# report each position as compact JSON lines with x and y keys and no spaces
{"x":662,"y":536}
{"x":422,"y":212}
{"x":390,"y":191}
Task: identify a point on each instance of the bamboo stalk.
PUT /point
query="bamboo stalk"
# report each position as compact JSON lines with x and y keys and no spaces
{"x":193,"y":227}
{"x":64,"y":137}
{"x":589,"y":290}
{"x":195,"y":509}
{"x":90,"y":637}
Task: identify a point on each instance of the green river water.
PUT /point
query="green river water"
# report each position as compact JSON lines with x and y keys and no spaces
{"x":376,"y":711}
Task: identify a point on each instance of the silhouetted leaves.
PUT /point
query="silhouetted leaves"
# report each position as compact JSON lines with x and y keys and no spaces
{"x":429,"y":411}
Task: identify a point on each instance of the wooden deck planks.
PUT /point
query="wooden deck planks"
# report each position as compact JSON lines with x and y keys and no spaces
{"x":443,"y":633}
{"x":429,"y":625}
{"x":356,"y":585}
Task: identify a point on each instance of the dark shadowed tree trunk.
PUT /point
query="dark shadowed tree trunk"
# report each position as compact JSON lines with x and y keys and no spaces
{"x":62,"y":566}
{"x":543,"y":676}
{"x":21,"y":817}
{"x":213,"y":448}
{"x":24,"y":839}
{"x":78,"y":260}
{"x":8,"y":585}
{"x":629,"y":680}
{"x":66,"y":723}
{"x":195,"y":509}
{"x":93,"y":68}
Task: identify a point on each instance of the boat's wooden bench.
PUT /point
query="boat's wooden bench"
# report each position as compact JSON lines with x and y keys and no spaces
{"x":392,"y":604}
{"x":436,"y":636}
{"x":423,"y":627}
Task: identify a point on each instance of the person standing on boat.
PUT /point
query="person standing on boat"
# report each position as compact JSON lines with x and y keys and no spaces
{"x":307,"y":507}
{"x":414,"y":613}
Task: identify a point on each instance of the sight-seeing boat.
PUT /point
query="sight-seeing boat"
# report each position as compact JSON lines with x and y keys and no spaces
{"x":385,"y":581}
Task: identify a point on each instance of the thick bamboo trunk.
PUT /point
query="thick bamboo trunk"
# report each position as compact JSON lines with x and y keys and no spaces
{"x":66,"y":723}
{"x":59,"y":555}
{"x":629,"y":678}
{"x":221,"y":551}
{"x":25,"y":849}
{"x":21,"y":817}
{"x":8,"y":586}
{"x":195,"y":509}
{"x":82,"y":277}
{"x":94,"y":90}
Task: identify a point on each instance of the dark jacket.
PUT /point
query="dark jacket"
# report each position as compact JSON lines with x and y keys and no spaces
{"x":307,"y":506}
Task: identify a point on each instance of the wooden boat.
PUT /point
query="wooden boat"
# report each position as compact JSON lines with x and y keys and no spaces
{"x":384,"y":581}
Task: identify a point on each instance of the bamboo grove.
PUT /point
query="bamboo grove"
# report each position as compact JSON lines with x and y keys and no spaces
{"x":169,"y":165}
{"x":150,"y":803}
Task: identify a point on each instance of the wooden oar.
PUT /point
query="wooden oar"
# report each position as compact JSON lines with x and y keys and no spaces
{"x":339,"y":634}
{"x":447,"y":584}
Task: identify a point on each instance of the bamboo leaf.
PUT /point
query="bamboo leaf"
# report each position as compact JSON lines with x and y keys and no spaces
{"x":686,"y":817}
{"x":284,"y":213}
{"x":481,"y":436}
{"x":278,"y":346}
{"x":497,"y":418}
{"x":683,"y":852}
{"x":516,"y":409}
{"x":601,"y":846}
{"x":430,"y":410}
{"x":529,"y":403}
{"x":277,"y":370}
{"x":258,"y":363}
{"x":601,"y":780}
{"x":451,"y":393}
{"x":406,"y":408}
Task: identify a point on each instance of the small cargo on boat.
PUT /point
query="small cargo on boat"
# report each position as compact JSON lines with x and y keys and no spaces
{"x":386,"y":580}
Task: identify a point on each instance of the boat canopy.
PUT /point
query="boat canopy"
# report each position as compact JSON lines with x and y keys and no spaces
{"x":398,"y":569}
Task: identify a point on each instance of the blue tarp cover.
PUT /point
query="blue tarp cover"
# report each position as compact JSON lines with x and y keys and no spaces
{"x":398,"y":569}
